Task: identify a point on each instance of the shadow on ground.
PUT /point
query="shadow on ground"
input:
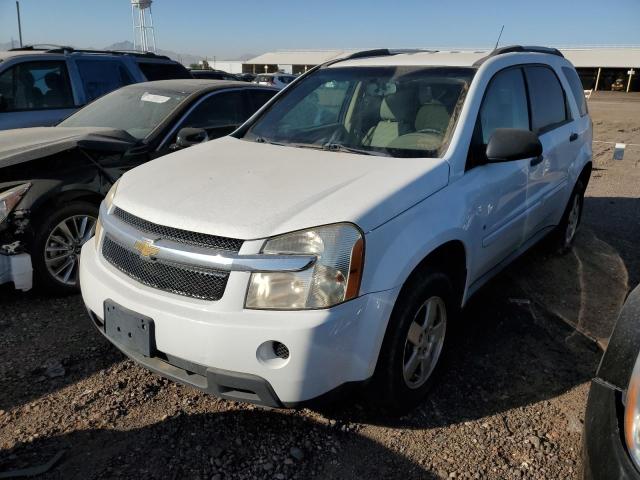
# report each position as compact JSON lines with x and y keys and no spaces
{"x":46,"y":344}
{"x":510,"y":353}
{"x":238,"y":444}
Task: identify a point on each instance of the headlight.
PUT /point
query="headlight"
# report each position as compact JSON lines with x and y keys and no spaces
{"x":10,"y":198}
{"x":108,"y":200}
{"x":333,"y":278}
{"x":632,"y":415}
{"x":108,"y":203}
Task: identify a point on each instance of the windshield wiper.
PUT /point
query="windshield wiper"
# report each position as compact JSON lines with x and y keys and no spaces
{"x":338,"y":147}
{"x":289,"y":144}
{"x":263,"y":140}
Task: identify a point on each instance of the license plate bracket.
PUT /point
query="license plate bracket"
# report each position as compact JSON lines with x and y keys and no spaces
{"x":129,"y":329}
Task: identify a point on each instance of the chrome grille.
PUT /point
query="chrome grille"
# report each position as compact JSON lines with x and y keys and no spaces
{"x":179,"y":279}
{"x":182,"y":236}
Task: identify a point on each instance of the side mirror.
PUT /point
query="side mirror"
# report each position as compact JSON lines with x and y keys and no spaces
{"x":507,"y":144}
{"x":191,"y":136}
{"x":3,"y":103}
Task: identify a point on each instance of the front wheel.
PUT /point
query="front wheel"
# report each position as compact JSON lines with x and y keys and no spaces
{"x":57,"y":244}
{"x":416,"y":338}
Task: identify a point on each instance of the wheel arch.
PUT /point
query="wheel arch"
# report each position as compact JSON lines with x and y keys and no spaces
{"x":450,"y":258}
{"x":74,"y":195}
{"x":585,"y":174}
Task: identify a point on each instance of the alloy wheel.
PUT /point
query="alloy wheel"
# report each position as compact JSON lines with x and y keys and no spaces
{"x":63,"y":245}
{"x":424,"y":342}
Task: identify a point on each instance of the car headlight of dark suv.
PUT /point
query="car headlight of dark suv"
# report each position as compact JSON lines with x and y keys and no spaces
{"x":10,"y":198}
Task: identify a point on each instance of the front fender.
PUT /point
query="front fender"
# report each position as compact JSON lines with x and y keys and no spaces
{"x":397,"y":247}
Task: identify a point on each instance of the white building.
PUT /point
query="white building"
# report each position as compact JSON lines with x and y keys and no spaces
{"x":599,"y":67}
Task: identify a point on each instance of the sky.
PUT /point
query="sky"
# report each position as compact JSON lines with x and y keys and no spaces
{"x":228,"y":30}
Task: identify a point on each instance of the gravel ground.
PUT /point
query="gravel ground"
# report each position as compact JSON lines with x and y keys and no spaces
{"x":509,"y":405}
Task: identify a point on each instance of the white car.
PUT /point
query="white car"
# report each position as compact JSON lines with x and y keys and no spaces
{"x":332,"y":239}
{"x":278,"y":80}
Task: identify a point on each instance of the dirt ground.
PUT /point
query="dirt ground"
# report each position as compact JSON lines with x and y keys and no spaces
{"x":509,"y":405}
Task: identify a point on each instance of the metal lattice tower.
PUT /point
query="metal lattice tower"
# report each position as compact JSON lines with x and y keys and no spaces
{"x":144,"y":38}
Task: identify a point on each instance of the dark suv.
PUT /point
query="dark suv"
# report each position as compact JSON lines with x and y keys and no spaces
{"x":41,"y":86}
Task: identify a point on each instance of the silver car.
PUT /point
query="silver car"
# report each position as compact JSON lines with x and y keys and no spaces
{"x":42,"y":86}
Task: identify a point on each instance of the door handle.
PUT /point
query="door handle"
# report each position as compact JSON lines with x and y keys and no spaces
{"x":573,"y":137}
{"x":536,"y":161}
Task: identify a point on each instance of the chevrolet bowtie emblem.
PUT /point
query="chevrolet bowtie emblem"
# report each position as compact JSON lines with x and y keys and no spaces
{"x":146,"y":248}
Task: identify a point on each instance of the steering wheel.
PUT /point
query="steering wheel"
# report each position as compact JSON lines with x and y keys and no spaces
{"x":430,"y":130}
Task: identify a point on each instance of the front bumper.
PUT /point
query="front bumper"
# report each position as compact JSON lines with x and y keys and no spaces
{"x":604,"y":453}
{"x":17,"y":269}
{"x":328,"y":348}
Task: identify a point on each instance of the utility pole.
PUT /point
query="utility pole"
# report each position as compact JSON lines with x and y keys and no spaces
{"x":19,"y":23}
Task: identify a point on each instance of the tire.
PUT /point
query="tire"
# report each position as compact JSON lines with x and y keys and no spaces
{"x":393,"y":388}
{"x":563,"y":235}
{"x":54,"y":250}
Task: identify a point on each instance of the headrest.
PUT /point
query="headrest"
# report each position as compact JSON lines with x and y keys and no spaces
{"x":399,"y":106}
{"x":26,"y":77}
{"x":52,"y":79}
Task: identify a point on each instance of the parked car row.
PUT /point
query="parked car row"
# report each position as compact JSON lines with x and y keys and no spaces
{"x":328,"y":241}
{"x":52,"y":179}
{"x":41,"y":85}
{"x":278,"y":80}
{"x":221,"y":75}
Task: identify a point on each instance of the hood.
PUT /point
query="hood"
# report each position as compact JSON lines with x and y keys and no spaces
{"x":25,"y":144}
{"x":240,"y":189}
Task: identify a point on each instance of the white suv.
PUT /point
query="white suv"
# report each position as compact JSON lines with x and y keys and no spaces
{"x":332,"y":239}
{"x":278,"y":80}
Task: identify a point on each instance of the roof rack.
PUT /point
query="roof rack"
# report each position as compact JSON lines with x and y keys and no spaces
{"x":380,"y":52}
{"x":39,"y":46}
{"x":519,"y":49}
{"x":47,"y":48}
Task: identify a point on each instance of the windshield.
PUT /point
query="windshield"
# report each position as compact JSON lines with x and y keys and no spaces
{"x":392,"y":111}
{"x":136,"y":109}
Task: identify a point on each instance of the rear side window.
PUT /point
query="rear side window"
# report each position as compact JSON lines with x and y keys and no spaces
{"x":504,"y":105}
{"x":35,"y":86}
{"x":259,"y":97}
{"x":208,"y":74}
{"x":548,"y":104}
{"x":576,"y":89}
{"x":102,"y":76}
{"x":163,"y":71}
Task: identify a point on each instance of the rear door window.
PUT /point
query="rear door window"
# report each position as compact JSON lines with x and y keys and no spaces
{"x":102,"y":76}
{"x":548,"y":103}
{"x":259,"y":97}
{"x":36,"y":86}
{"x":163,"y":71}
{"x":576,"y":89}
